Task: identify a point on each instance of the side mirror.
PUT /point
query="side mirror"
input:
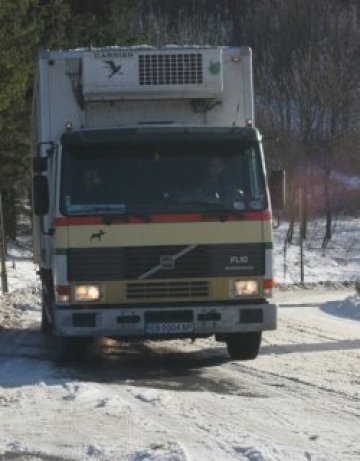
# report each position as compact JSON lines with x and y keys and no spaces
{"x":41,"y":195}
{"x":39,"y":164}
{"x":277,"y":185}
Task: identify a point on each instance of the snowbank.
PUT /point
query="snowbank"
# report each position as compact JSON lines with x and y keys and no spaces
{"x":20,"y":308}
{"x":349,"y":308}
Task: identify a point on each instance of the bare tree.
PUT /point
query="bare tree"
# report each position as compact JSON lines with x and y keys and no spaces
{"x":308,"y":82}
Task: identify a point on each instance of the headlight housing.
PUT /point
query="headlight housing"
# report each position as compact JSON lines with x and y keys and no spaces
{"x":83,"y":293}
{"x":245,"y":287}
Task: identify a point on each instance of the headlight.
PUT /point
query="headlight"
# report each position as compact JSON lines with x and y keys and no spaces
{"x":245,"y":287}
{"x":87,"y":293}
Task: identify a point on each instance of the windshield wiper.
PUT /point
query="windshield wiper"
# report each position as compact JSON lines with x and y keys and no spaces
{"x":125,"y":215}
{"x":217,"y":210}
{"x":96,"y":208}
{"x":212,"y":206}
{"x":109,"y":211}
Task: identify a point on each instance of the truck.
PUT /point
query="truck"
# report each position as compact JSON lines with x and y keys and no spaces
{"x":133,"y":236}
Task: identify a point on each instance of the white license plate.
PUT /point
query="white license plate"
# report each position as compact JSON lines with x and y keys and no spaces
{"x":170,"y":328}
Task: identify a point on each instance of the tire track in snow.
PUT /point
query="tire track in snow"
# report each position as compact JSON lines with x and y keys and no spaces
{"x":286,"y":382}
{"x":193,"y":436}
{"x":208,"y":433}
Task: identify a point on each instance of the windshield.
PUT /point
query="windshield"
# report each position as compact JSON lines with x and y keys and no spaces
{"x":165,"y":178}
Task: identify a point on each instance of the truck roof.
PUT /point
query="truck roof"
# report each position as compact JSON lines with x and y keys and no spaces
{"x":160,"y":134}
{"x":78,"y":52}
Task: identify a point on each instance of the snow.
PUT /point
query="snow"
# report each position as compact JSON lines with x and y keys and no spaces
{"x":181,"y":401}
{"x":20,"y":267}
{"x":339,"y":262}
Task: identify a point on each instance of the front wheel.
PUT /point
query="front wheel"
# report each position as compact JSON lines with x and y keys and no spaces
{"x":71,"y":349}
{"x":46,"y":326}
{"x":244,"y":346}
{"x":47,"y":301}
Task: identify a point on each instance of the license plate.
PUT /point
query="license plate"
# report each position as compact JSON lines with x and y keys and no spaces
{"x":170,"y":328}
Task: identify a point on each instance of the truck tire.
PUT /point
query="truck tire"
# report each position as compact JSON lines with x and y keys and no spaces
{"x":244,"y":346}
{"x":71,"y":348}
{"x":46,"y":326}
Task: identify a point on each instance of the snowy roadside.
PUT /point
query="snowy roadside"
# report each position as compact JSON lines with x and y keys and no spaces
{"x":20,"y":308}
{"x":338,"y":264}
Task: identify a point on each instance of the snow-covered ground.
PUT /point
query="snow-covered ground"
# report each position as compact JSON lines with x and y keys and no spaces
{"x":339,"y":262}
{"x":182,"y":401}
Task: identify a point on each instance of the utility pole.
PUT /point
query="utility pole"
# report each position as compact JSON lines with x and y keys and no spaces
{"x":4,"y":284}
{"x":301,"y":217}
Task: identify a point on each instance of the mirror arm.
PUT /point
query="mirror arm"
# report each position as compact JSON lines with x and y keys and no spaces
{"x":49,"y":150}
{"x":50,"y":232}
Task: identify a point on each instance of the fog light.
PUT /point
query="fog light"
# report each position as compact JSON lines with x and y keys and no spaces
{"x":87,"y":293}
{"x":245,"y":287}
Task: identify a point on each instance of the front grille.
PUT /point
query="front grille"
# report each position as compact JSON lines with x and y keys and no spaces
{"x":190,"y":289}
{"x":170,"y":69}
{"x":146,"y":263}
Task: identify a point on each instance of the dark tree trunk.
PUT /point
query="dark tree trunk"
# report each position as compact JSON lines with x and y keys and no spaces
{"x":10,"y":212}
{"x":290,"y":231}
{"x":328,"y":204}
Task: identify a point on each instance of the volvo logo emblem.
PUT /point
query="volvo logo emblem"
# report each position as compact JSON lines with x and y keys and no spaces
{"x":167,"y":262}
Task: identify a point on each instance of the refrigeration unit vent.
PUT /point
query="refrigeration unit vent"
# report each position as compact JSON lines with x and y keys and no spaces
{"x":170,"y":69}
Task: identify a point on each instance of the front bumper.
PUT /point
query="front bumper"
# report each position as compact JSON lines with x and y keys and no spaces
{"x":132,"y":322}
